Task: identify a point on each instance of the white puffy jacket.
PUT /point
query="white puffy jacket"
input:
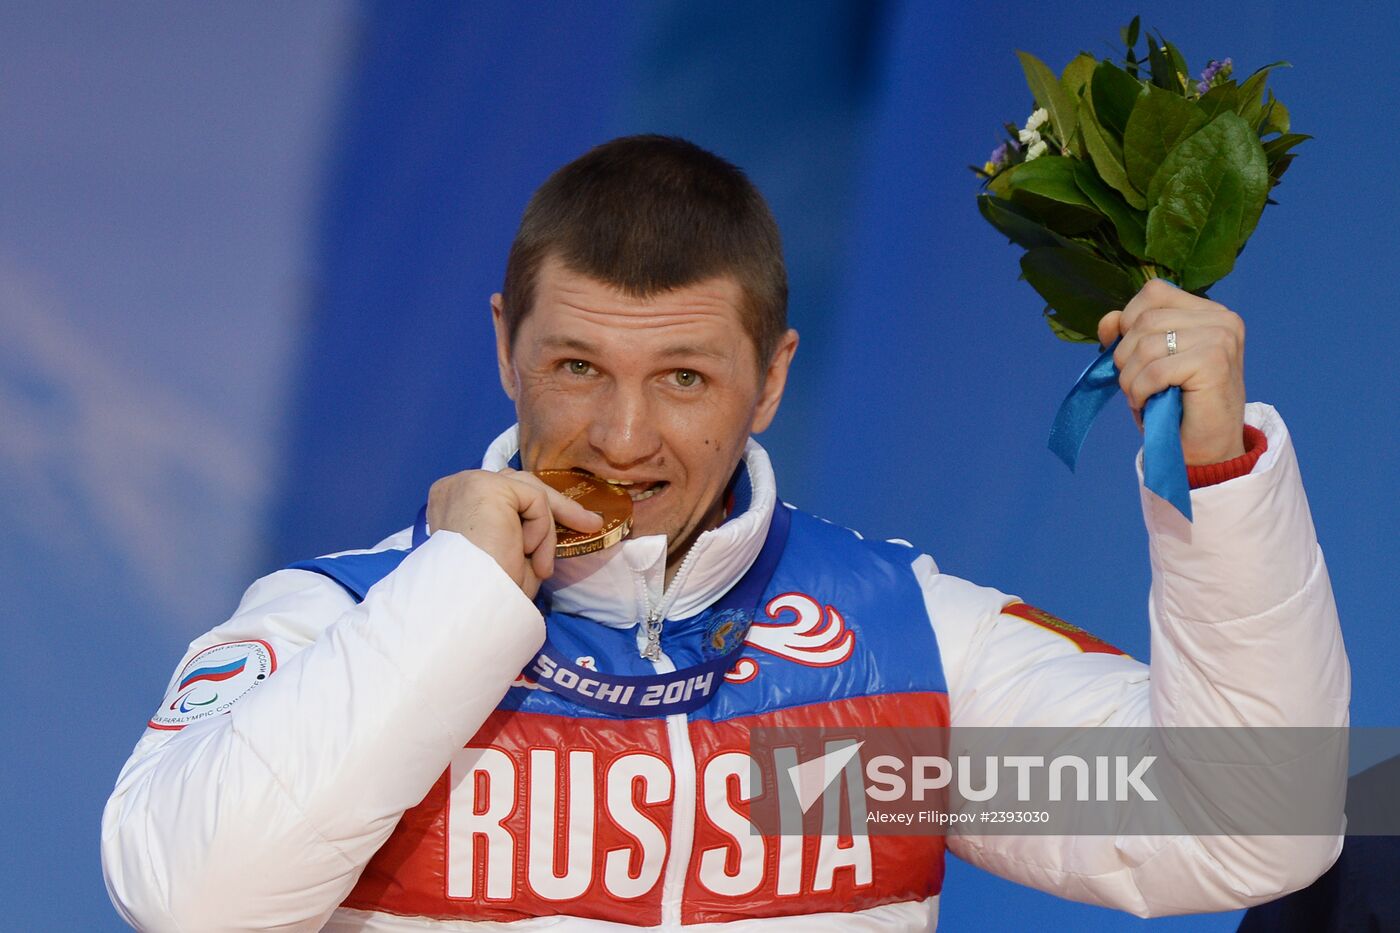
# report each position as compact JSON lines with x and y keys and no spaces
{"x":349,"y":727}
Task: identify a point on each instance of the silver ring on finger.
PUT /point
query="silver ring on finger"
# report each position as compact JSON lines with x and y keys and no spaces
{"x":1171,"y":343}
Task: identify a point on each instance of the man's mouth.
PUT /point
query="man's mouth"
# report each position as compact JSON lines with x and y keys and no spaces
{"x":639,"y":490}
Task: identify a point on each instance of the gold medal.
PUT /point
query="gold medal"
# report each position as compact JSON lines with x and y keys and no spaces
{"x":612,"y":502}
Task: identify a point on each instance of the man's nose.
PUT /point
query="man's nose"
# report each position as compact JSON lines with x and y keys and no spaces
{"x":623,"y":431}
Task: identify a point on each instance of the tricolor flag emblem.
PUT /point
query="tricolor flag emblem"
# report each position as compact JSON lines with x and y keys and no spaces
{"x":214,"y":673}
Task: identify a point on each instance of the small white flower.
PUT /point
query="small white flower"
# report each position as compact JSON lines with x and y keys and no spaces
{"x":1037,"y":119}
{"x":1036,"y":149}
{"x":1029,"y":137}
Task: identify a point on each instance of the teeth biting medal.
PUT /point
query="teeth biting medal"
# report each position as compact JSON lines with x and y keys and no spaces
{"x":611,"y":501}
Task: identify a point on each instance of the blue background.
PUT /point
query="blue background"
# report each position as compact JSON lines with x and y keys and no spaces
{"x":245,"y":256}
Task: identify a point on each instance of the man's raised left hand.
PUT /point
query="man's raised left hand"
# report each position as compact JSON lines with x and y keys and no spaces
{"x":1208,"y":365}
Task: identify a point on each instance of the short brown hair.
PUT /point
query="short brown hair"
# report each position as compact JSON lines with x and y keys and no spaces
{"x":648,"y":214}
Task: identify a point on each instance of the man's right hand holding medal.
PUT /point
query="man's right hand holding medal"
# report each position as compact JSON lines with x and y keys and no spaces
{"x":511,"y":516}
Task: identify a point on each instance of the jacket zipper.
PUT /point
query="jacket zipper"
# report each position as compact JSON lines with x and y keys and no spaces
{"x":652,"y":622}
{"x":683,"y":800}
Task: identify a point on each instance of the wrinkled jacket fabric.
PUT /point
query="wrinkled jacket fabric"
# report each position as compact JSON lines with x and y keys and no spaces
{"x":392,"y":769}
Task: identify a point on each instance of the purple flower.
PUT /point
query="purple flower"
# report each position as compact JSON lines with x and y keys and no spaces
{"x":1212,"y":69}
{"x":998,"y":155}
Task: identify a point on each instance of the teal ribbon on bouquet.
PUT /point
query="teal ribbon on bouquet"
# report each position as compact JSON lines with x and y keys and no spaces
{"x":1163,"y":465}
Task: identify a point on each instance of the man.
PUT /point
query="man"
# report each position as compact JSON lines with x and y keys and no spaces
{"x":357,"y":748}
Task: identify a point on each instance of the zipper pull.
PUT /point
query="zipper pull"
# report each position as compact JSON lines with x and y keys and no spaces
{"x":652,"y":626}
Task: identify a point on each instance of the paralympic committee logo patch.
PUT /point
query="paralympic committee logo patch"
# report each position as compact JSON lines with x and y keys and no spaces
{"x":212,"y":681}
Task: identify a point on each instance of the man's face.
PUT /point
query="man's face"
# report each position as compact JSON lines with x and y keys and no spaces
{"x":659,"y":393}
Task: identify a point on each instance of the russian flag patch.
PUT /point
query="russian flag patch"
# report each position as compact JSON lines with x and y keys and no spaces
{"x":1087,"y":643}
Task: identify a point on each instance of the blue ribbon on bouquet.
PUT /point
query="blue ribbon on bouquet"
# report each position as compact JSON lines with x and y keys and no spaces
{"x":1163,"y":465}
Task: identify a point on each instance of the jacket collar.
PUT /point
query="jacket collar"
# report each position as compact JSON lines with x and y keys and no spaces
{"x":621,"y":585}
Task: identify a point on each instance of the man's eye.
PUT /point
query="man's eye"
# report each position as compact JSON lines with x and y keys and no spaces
{"x":685,"y":378}
{"x":578,"y":367}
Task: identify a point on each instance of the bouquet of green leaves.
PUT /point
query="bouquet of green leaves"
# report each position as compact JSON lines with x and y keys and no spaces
{"x":1130,"y":170}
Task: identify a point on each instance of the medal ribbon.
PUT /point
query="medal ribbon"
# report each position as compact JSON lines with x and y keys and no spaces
{"x":1163,"y":465}
{"x":655,"y":695}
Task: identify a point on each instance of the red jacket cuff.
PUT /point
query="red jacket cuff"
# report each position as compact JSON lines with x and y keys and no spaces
{"x":1208,"y":474}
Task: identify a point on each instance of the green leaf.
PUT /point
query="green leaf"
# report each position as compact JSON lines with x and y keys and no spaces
{"x":1046,"y":188}
{"x":1107,"y":156}
{"x":1280,"y":146}
{"x":1275,"y":119}
{"x":1049,"y":177}
{"x":1077,"y":74}
{"x":1199,"y":233}
{"x":1207,"y":197}
{"x":1180,"y":71}
{"x":1000,"y":184}
{"x":1263,"y":70}
{"x":1080,"y":287}
{"x":1018,"y":225}
{"x":1163,"y":71}
{"x":1075,"y":81}
{"x":1114,"y":92}
{"x":1048,"y":94}
{"x":1130,"y":34}
{"x":1063,"y":332}
{"x":1278,"y":167}
{"x":1219,"y":99}
{"x":1250,"y":104}
{"x":1160,"y":120}
{"x":1130,"y":225}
